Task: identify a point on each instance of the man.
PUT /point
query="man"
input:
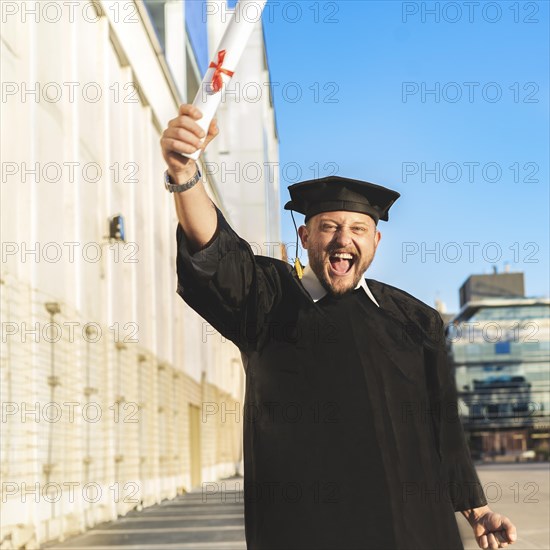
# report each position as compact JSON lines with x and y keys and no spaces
{"x":351,"y":433}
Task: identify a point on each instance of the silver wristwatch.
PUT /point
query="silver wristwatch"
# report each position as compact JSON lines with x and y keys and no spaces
{"x":179,"y":188}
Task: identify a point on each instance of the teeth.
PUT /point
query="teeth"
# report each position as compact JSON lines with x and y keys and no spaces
{"x":343,"y":256}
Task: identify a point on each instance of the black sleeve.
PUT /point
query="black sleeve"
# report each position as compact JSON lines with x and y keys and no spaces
{"x":227,"y":285}
{"x":463,"y":484}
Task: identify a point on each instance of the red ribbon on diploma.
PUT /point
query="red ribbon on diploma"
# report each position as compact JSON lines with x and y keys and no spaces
{"x":217,"y":80}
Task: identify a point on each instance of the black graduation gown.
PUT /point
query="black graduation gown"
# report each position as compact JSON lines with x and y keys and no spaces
{"x":351,"y":433}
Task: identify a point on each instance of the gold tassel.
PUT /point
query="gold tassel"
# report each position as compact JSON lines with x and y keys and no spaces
{"x":298,"y":267}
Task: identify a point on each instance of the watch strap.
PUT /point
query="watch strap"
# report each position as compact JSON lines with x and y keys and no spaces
{"x":180,"y":188}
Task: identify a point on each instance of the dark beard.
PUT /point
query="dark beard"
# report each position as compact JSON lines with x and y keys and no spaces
{"x":338,"y":294}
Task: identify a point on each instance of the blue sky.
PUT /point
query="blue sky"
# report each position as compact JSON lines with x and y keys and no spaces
{"x":361,"y":68}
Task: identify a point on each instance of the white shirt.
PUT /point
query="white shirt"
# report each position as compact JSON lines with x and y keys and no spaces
{"x":317,"y":291}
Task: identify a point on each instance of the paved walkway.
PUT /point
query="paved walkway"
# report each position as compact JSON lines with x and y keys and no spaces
{"x":187,"y":522}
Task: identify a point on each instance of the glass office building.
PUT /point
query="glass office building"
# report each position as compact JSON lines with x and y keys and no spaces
{"x":500,"y":350}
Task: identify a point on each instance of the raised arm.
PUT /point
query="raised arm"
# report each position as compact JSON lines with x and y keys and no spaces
{"x":196,"y":212}
{"x":218,"y":273}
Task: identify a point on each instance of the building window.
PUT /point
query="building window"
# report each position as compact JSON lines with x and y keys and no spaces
{"x":155,"y":9}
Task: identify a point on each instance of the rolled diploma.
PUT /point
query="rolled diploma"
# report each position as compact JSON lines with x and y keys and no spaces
{"x":233,"y":42}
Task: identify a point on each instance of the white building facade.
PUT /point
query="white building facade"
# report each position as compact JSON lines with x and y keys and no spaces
{"x":115,"y":394}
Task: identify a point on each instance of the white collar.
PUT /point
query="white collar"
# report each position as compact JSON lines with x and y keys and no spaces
{"x":317,"y":291}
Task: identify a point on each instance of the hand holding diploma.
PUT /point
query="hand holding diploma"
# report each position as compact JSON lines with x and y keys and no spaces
{"x":191,"y":131}
{"x":196,"y":213}
{"x":185,"y":136}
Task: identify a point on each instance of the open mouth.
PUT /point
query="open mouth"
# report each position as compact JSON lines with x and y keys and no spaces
{"x":341,"y":262}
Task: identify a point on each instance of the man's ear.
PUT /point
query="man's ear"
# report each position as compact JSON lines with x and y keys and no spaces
{"x":303,"y":234}
{"x":377,"y":238}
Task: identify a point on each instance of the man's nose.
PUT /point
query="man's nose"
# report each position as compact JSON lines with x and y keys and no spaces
{"x":342,"y":237}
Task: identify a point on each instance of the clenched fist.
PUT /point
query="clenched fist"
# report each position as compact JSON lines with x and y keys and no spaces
{"x":184,"y":135}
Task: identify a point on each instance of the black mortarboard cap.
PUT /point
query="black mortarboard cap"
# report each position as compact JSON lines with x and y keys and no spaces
{"x":337,"y":193}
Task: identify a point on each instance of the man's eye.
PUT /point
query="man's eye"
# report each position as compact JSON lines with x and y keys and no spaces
{"x":359,"y":229}
{"x":329,"y":227}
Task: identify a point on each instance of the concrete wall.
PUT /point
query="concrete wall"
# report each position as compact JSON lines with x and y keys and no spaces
{"x":101,"y":360}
